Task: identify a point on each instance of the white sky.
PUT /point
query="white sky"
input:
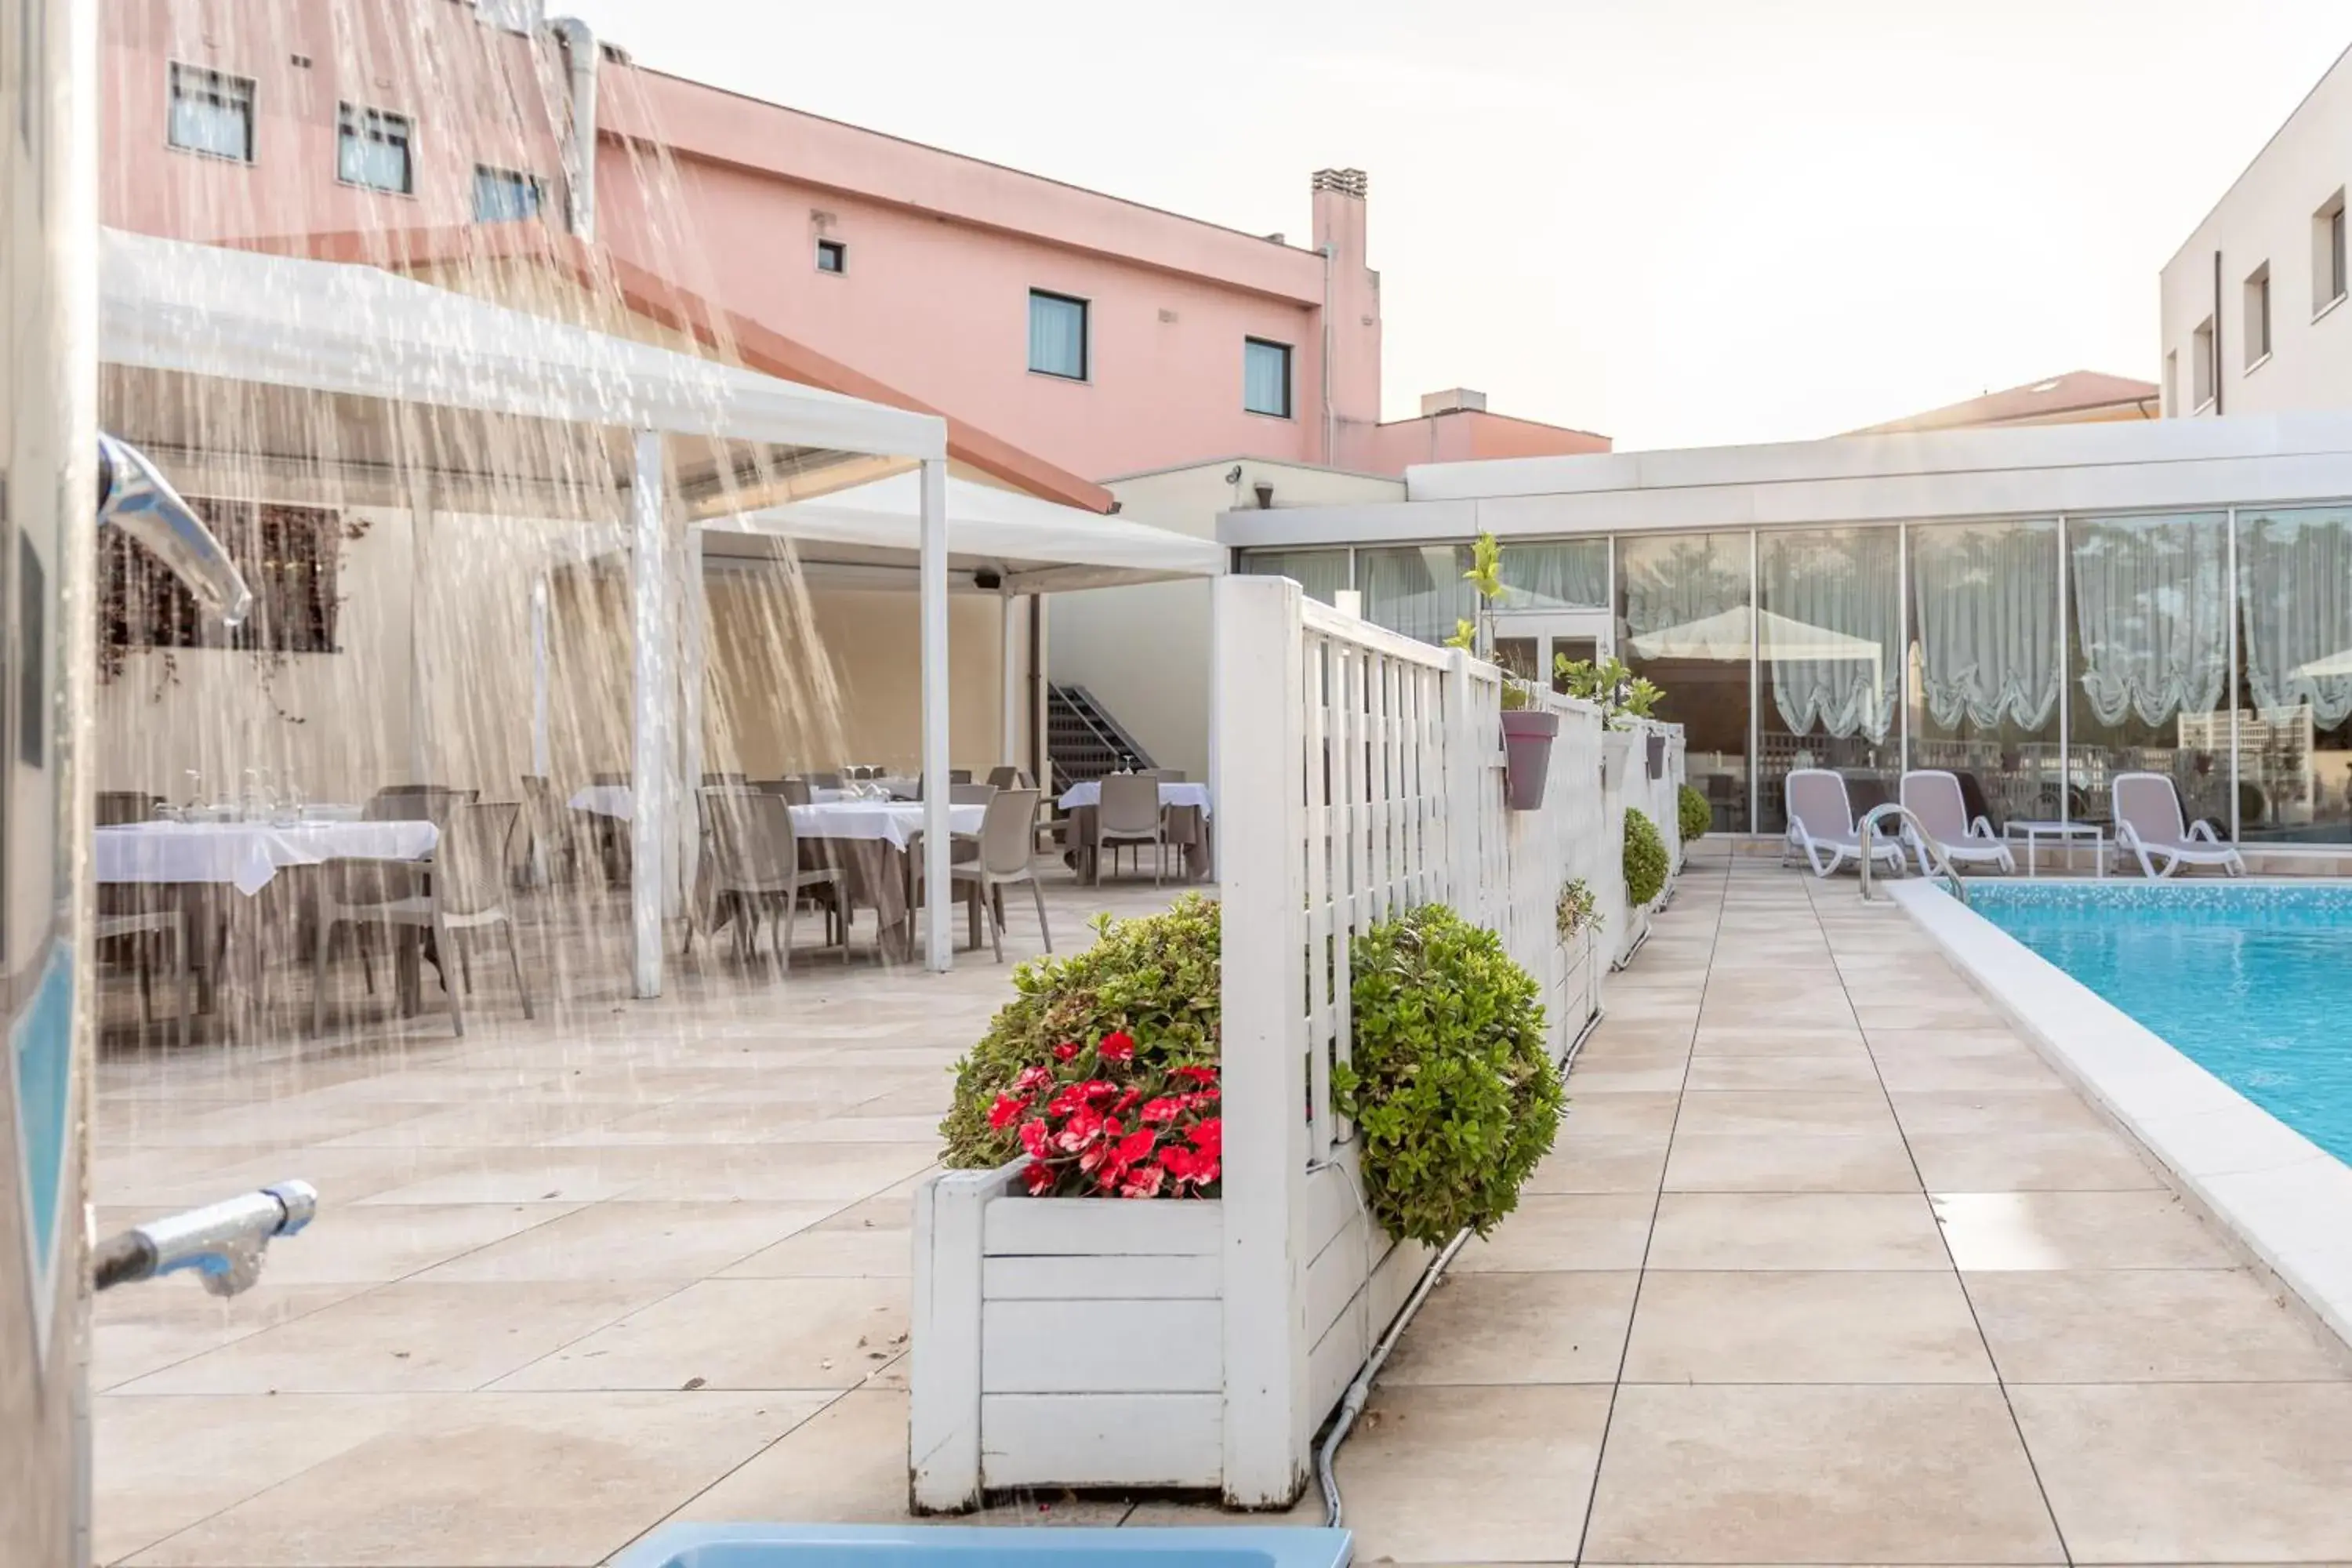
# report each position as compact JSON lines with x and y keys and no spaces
{"x":1678,"y":222}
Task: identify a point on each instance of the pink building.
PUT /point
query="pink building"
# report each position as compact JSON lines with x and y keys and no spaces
{"x":1095,"y":334}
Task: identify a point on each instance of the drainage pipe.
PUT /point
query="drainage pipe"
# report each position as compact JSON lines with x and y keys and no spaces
{"x":1352,"y":1404}
{"x":583,"y":55}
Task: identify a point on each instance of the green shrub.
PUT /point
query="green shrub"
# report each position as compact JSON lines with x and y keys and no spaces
{"x":1646,"y":860}
{"x":1693,"y":815}
{"x":1452,"y":1086}
{"x":1154,"y":978}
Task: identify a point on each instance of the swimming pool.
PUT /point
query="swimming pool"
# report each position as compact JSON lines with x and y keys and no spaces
{"x":2251,"y":980}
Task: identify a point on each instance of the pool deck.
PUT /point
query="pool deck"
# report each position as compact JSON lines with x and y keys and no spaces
{"x":1828,"y":1267}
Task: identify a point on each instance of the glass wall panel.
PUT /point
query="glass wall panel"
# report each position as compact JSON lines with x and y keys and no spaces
{"x":1830,"y":639}
{"x":1683,"y":622}
{"x":2147,"y":688}
{"x":1982,"y":670}
{"x":1322,"y":573}
{"x":1419,"y":589}
{"x":1416,"y":589}
{"x":2295,"y":736}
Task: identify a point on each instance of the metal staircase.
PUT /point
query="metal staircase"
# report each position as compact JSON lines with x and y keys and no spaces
{"x":1084,"y":740}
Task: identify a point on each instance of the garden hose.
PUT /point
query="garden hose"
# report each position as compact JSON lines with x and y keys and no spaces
{"x":1360,"y":1390}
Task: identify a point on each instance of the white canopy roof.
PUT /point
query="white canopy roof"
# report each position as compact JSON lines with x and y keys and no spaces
{"x":1035,"y":546}
{"x":360,"y":333}
{"x":1729,"y":634}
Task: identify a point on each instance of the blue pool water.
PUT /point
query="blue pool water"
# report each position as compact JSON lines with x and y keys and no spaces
{"x":2252,"y":982}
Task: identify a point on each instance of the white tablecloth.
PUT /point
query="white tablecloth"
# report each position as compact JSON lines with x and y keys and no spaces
{"x":247,"y":856}
{"x":897,"y":821}
{"x":1090,"y":793}
{"x":604,"y":800}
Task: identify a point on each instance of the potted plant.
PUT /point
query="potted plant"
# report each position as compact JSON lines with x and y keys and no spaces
{"x":1528,"y":727}
{"x":1576,"y":911}
{"x":1646,"y":860}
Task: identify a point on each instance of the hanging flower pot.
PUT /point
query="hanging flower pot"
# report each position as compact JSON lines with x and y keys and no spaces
{"x":1527,"y":735}
{"x":1657,"y":755}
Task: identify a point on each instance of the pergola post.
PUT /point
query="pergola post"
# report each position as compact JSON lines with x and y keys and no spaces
{"x":651,"y":756}
{"x":1009,"y":748}
{"x":542,"y":737}
{"x":938,"y":950}
{"x":692,"y":599}
{"x":420,"y":595}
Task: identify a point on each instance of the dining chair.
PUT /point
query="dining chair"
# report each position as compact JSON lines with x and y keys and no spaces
{"x":548,"y":827}
{"x":795,"y":791}
{"x":468,"y":892}
{"x":825,"y":781}
{"x":1165,"y":775}
{"x":969,"y":793}
{"x":1128,"y":813}
{"x":1005,"y":776}
{"x":959,"y":775}
{"x":710,"y":779}
{"x":1006,"y":842}
{"x":608,"y":778}
{"x":151,"y":918}
{"x":756,"y":861}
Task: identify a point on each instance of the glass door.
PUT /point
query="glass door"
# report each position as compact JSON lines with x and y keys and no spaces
{"x":1530,"y":643}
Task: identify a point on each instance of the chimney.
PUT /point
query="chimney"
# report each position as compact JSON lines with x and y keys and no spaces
{"x":1452,"y":400}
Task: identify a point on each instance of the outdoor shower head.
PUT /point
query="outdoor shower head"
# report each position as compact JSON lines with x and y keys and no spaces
{"x":135,"y":497}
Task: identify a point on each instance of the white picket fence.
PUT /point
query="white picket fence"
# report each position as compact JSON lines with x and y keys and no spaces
{"x":1358,"y":775}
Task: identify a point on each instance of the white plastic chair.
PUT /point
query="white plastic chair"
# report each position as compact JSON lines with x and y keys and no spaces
{"x":1933,"y":796}
{"x":2151,"y":828}
{"x":1821,"y":825}
{"x":469,"y":891}
{"x":1128,"y":813}
{"x":1007,"y":840}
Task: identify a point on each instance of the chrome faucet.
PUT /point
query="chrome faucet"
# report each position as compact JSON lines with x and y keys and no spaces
{"x":224,"y":1242}
{"x":135,"y":497}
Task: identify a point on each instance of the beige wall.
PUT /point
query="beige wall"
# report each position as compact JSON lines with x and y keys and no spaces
{"x":1143,"y":652}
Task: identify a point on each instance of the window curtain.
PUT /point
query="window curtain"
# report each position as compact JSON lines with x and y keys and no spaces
{"x":1322,"y":573}
{"x":1417,"y":590}
{"x":1566,"y":574}
{"x":1057,"y":336}
{"x":1832,"y":631}
{"x":2151,"y":614}
{"x":2294,"y":580}
{"x":1265,"y":379}
{"x":1986,"y":596}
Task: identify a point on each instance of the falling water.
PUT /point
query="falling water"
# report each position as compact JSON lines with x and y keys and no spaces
{"x":442,"y":527}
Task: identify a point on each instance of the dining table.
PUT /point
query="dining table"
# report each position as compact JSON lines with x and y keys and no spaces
{"x":1184,"y":810}
{"x":195,"y":865}
{"x":870,"y":843}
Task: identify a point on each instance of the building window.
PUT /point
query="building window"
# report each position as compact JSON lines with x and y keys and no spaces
{"x":1057,"y":335}
{"x":1265,"y":377}
{"x":2328,"y":277}
{"x":288,"y":555}
{"x":504,"y":196}
{"x":2200,"y":365}
{"x":372,"y":149}
{"x":2258,"y":316}
{"x":211,"y":114}
{"x":831,"y":256}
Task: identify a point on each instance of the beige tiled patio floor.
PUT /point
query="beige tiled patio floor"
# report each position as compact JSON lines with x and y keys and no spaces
{"x":1827,"y":1268}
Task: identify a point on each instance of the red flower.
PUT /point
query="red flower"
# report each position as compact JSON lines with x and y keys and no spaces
{"x":1034,"y":1142}
{"x":1032,"y":1078}
{"x":1098,"y":1089}
{"x":1126,"y":1102}
{"x":1119,"y":1046}
{"x":1006,"y":1111}
{"x":1161,"y":1111}
{"x":1141,"y":1182}
{"x":1084,"y":1126}
{"x":1204,"y":1077}
{"x":1040,"y":1177}
{"x":1208,"y":1137}
{"x":1135,"y":1146}
{"x":1188,"y":1167}
{"x":1065,"y":1051}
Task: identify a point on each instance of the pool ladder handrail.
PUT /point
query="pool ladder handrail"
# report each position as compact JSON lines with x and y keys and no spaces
{"x":1937,"y":858}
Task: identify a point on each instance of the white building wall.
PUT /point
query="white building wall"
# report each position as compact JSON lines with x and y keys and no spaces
{"x":1143,"y":652}
{"x":2272,"y":217}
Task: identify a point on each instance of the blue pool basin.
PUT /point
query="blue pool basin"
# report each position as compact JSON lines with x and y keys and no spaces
{"x":985,"y":1546}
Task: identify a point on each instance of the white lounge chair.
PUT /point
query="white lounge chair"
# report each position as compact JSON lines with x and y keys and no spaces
{"x":2149,"y":826}
{"x":1933,"y":796}
{"x":1821,"y":825}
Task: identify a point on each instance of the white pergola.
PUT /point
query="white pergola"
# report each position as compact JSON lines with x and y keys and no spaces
{"x":305,"y":366}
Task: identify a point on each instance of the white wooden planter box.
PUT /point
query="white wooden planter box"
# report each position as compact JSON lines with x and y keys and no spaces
{"x":1063,"y":1341}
